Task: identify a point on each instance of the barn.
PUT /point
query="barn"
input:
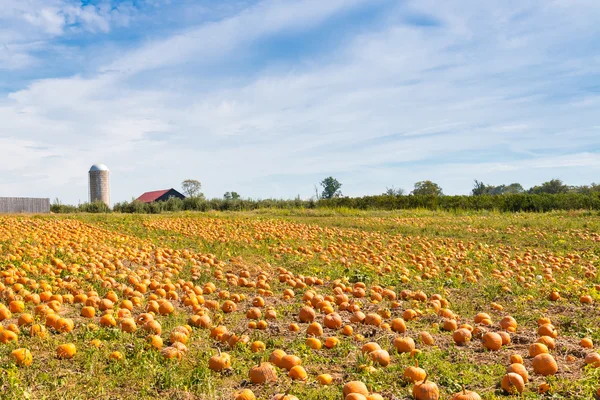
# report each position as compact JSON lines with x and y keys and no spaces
{"x":160,"y":195}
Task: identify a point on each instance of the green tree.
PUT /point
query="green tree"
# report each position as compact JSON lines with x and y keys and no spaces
{"x":331,"y":188}
{"x":231,"y":196}
{"x":191,"y":188}
{"x":514,"y":188}
{"x":427,"y":188}
{"x":553,"y":186}
{"x":393,"y":191}
{"x":479,"y":188}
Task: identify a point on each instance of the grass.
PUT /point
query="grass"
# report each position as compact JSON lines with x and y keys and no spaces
{"x":436,"y":252}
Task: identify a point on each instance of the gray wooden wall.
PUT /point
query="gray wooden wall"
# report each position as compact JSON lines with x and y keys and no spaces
{"x":24,"y":204}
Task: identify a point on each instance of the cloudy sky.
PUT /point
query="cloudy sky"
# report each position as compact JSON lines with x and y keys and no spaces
{"x":268,"y":97}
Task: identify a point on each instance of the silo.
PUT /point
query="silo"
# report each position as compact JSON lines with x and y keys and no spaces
{"x":100,"y":184}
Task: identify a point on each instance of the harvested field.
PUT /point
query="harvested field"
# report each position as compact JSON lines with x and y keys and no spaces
{"x":150,"y":301}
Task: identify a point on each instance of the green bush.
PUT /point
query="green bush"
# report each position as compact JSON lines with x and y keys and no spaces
{"x":522,"y":202}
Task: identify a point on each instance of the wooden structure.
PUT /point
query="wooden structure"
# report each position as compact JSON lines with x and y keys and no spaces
{"x":24,"y":205}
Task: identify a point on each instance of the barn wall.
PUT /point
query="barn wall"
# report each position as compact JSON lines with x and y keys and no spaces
{"x":24,"y":204}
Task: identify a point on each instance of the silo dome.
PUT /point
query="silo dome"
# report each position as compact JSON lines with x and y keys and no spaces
{"x":98,"y":167}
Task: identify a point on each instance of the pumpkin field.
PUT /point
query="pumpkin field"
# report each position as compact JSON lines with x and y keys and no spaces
{"x":309,"y":305}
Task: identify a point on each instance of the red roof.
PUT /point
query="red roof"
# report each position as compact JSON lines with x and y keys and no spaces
{"x":149,"y":197}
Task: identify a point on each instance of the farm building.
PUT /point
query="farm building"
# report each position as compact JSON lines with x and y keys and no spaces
{"x":160,"y":195}
{"x":24,"y":205}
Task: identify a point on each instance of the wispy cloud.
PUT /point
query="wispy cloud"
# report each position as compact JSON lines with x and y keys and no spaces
{"x":447,"y":91}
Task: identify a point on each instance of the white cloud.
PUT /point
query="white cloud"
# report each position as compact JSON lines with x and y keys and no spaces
{"x":389,"y":107}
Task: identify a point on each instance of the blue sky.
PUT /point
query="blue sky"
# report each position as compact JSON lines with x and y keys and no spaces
{"x":267,"y":98}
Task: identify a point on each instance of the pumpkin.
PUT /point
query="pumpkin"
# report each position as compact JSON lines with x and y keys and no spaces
{"x":544,"y":364}
{"x":415,"y":374}
{"x":518,"y":369}
{"x":355,"y":387}
{"x":21,"y":357}
{"x":314,"y":329}
{"x":512,"y":383}
{"x":587,"y":343}
{"x":298,"y":373}
{"x":88,"y":312}
{"x":153,"y":326}
{"x":516,"y":359}
{"x":426,"y":338}
{"x":289,"y":361}
{"x":505,"y":338}
{"x":171,"y":353}
{"x":155,"y":341}
{"x":593,"y":360}
{"x":314,"y":343}
{"x":544,"y":387}
{"x":331,"y":342}
{"x":481,"y":317}
{"x":253,"y":313}
{"x":548,"y":341}
{"x":64,"y":325}
{"x":307,"y":314}
{"x":491,"y":341}
{"x":404,"y":344}
{"x":465,"y":395}
{"x":372,"y":319}
{"x":66,"y":351}
{"x":276,"y":356}
{"x":461,"y":336}
{"x":449,"y":325}
{"x":116,"y":356}
{"x":108,"y":321}
{"x":537,"y":348}
{"x":355,"y":396}
{"x":548,"y":330}
{"x":228,"y":306}
{"x":508,"y":323}
{"x":424,"y":390}
{"x":369,"y":347}
{"x":265,"y":372}
{"x":284,"y":396}
{"x":25,"y":319}
{"x":244,"y":394}
{"x":219,"y":362}
{"x":165,"y":308}
{"x":381,"y":357}
{"x":325,"y":379}
{"x":127,"y":325}
{"x":7,"y":336}
{"x":398,"y":325}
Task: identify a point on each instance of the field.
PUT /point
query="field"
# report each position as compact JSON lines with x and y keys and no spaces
{"x":149,"y":302}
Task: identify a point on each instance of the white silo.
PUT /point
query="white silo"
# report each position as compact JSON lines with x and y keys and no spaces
{"x":100,"y":183}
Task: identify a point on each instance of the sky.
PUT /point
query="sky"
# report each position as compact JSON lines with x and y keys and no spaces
{"x":268,"y":97}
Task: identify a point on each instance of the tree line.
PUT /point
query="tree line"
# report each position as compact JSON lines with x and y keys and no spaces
{"x":548,"y":196}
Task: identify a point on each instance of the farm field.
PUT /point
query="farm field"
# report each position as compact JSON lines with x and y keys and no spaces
{"x":312,"y":304}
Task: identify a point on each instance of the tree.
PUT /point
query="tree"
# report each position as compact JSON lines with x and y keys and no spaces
{"x":191,"y":188}
{"x":427,"y":188}
{"x":331,"y":188}
{"x":393,"y":191}
{"x":479,"y":188}
{"x":231,"y":196}
{"x":514,"y":188}
{"x":553,"y":186}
